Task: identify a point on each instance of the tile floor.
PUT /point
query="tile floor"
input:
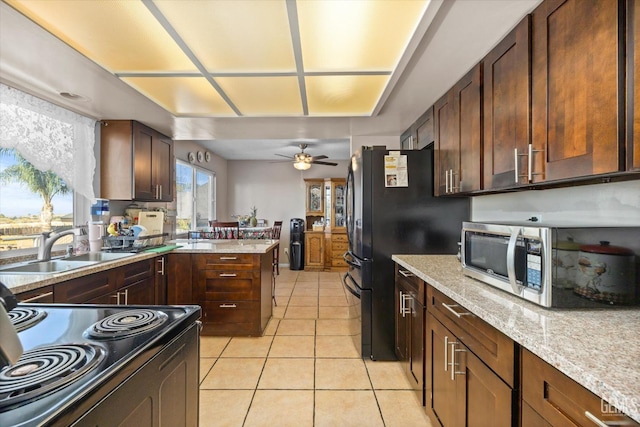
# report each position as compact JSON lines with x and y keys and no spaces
{"x":305,"y":370}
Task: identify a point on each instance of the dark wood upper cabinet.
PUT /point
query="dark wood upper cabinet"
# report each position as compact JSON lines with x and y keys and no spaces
{"x":136,"y":162}
{"x":458,"y":136}
{"x":507,"y":112}
{"x":576,"y":79}
{"x":633,"y":85}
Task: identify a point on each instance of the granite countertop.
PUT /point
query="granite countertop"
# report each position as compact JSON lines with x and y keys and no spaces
{"x":18,"y":283}
{"x":235,"y":246}
{"x":597,"y":348}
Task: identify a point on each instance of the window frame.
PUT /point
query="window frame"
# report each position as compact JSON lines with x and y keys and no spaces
{"x":212,"y":207}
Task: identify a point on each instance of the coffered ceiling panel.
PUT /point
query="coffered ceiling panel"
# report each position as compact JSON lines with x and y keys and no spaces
{"x":256,"y":58}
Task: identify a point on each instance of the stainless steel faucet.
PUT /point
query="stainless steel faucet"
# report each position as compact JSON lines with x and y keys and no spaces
{"x":47,"y":239}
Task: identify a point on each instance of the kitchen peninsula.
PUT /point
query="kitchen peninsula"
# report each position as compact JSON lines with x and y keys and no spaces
{"x":596,"y":348}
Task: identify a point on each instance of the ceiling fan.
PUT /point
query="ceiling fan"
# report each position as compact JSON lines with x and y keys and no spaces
{"x":302,"y":161}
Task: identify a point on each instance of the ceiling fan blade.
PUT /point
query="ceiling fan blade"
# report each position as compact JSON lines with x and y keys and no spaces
{"x":324,"y":163}
{"x":319,"y":157}
{"x":282,"y":155}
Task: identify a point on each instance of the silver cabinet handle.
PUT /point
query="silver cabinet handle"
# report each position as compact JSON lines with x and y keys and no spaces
{"x":160,"y":191}
{"x":406,"y":273}
{"x":595,"y":419}
{"x":530,"y":163}
{"x":446,"y":353}
{"x":455,"y":313}
{"x":228,"y":306}
{"x":37,"y":297}
{"x":126,"y":296}
{"x":161,"y":261}
{"x":228,"y":258}
{"x":453,"y":187}
{"x":455,"y":350}
{"x":405,"y":310}
{"x":446,"y":182}
{"x":515,"y":162}
{"x":228,"y":274}
{"x":117,"y":297}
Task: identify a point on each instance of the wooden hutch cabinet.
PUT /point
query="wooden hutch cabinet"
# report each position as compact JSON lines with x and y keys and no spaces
{"x":336,"y":243}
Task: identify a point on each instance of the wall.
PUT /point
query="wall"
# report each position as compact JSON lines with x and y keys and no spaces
{"x":601,"y":204}
{"x":277,"y":190}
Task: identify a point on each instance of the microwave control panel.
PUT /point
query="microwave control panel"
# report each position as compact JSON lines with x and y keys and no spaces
{"x":534,"y":264}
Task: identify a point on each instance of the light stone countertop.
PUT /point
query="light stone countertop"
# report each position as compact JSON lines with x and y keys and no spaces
{"x":597,"y":348}
{"x":18,"y":283}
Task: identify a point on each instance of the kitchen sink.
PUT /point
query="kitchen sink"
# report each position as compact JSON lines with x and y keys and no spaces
{"x":100,"y":256}
{"x":47,"y":267}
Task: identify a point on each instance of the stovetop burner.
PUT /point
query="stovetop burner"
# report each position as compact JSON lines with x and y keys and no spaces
{"x":24,"y":318}
{"x":46,"y":369}
{"x":126,"y":324}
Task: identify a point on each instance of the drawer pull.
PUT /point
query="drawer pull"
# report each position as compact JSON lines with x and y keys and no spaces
{"x":446,"y":353}
{"x":406,"y":273}
{"x":458,"y":315}
{"x":228,"y":306}
{"x":228,"y":275}
{"x":595,"y":419}
{"x":37,"y":297}
{"x":228,"y":258}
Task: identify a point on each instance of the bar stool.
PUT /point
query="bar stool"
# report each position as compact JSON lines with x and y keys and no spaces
{"x":275,"y":266}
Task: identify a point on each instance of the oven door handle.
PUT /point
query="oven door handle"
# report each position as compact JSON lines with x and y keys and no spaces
{"x":511,"y":260}
{"x":351,"y":290}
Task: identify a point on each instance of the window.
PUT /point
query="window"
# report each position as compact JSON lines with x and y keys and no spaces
{"x":195,"y":197}
{"x":31,"y":201}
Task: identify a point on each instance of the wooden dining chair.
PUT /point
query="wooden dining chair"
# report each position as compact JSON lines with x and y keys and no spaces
{"x":275,"y":266}
{"x":225,"y":230}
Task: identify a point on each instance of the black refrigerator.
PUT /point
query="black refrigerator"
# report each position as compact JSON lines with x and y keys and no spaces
{"x":384,"y":217}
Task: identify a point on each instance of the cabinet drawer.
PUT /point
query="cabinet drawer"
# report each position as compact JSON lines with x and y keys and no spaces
{"x":83,"y":289}
{"x":560,"y":400}
{"x":136,"y":272}
{"x":222,"y":261}
{"x":338,"y":262}
{"x":411,"y":283}
{"x":493,"y":347}
{"x":341,"y":247}
{"x":37,"y":295}
{"x":231,"y":318}
{"x":339,"y":238}
{"x":230,"y":285}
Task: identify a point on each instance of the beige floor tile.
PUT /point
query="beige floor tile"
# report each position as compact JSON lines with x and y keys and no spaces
{"x":329,"y":276}
{"x":248,"y":347}
{"x":336,"y":346}
{"x":387,"y":375}
{"x":331,"y":292}
{"x":224,"y":408}
{"x":234,"y":373}
{"x":401,"y":408}
{"x":287,"y":374}
{"x":281,"y":291}
{"x":304,"y":292}
{"x":307,"y":285}
{"x":212,"y":346}
{"x":292,"y":346}
{"x":307,"y":276}
{"x":205,"y":365}
{"x":333,"y":312}
{"x":297,"y":327}
{"x":341,"y":374}
{"x":301,"y":313}
{"x":279,"y":311}
{"x":272,"y":326}
{"x":340,"y":301}
{"x":297,"y":301}
{"x":281,"y":408}
{"x":333,"y":326}
{"x":346,"y":409}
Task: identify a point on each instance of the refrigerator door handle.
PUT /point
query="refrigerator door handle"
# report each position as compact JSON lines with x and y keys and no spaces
{"x":351,"y":260}
{"x":352,"y":290}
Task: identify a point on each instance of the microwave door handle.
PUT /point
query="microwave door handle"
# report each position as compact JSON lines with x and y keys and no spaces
{"x":511,"y":260}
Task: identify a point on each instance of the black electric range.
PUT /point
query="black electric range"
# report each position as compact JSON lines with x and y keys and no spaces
{"x":102,"y":365}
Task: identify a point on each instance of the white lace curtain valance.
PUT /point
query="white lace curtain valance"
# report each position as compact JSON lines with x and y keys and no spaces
{"x":49,"y":137}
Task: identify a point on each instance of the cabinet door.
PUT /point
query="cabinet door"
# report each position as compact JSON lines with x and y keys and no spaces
{"x":179,"y":284}
{"x":85,"y":289}
{"x":403,"y":325}
{"x":40,"y":295}
{"x":406,"y":140}
{"x":576,"y":81}
{"x":314,"y":249}
{"x":315,"y":197}
{"x":446,"y":141}
{"x":162,"y":167}
{"x":141,"y":292}
{"x":337,"y":205}
{"x":633,"y":85}
{"x":488,"y":399}
{"x":506,"y":121}
{"x":161,"y":280}
{"x":142,"y":162}
{"x":424,"y":130}
{"x":442,"y":401}
{"x":468,"y":99}
{"x":416,"y":347}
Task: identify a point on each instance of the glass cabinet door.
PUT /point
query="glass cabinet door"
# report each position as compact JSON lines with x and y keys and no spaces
{"x":327,"y":203}
{"x":339,"y":206}
{"x":315,"y":198}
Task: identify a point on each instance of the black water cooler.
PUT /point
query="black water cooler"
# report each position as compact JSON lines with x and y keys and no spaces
{"x":296,"y":245}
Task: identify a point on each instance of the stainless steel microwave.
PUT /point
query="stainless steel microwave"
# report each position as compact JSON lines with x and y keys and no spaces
{"x":555,"y":266}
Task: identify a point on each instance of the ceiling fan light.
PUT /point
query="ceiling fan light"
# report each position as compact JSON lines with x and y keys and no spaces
{"x":302,"y":166}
